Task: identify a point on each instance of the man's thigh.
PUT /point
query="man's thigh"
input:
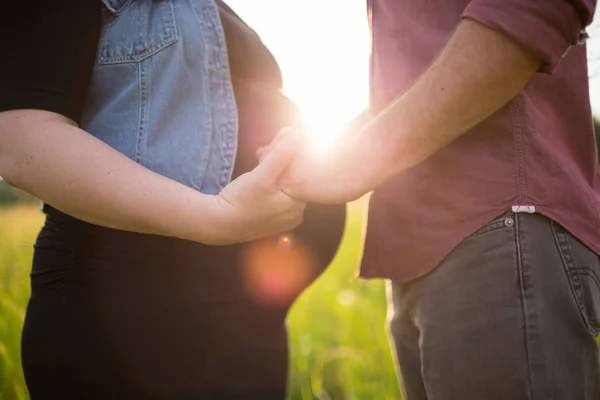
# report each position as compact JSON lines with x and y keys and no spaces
{"x":509,"y":314}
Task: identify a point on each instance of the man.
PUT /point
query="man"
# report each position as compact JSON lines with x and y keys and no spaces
{"x":486,"y":216}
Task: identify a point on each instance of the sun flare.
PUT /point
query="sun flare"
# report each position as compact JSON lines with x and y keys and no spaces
{"x":323,"y":129}
{"x":325,"y":71}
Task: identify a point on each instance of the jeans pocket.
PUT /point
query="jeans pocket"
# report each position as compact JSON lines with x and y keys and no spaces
{"x":582,"y":267}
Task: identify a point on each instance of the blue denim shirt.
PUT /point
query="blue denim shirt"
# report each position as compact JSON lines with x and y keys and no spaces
{"x":161,"y":91}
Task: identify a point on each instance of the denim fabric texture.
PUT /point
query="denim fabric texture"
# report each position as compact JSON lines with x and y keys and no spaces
{"x":161,"y":91}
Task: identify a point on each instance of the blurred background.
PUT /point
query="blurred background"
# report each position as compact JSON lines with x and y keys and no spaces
{"x":337,"y":327}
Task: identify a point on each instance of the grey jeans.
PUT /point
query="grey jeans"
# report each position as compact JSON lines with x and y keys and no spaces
{"x":512,"y":313}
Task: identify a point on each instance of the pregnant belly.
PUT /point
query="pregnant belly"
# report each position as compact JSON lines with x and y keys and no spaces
{"x":279,"y":268}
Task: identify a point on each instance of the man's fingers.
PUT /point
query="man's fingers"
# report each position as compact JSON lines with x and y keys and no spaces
{"x":279,"y":155}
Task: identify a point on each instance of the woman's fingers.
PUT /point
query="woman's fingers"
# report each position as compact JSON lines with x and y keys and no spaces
{"x":276,"y":159}
{"x":262,"y":152}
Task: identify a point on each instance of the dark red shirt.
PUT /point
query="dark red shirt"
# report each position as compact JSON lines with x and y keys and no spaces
{"x":537,"y":153}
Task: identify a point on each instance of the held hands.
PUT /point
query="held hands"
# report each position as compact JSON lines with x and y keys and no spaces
{"x":337,"y":175}
{"x":253,"y":206}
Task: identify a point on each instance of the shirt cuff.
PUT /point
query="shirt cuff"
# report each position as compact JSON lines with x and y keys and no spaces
{"x":547,"y":31}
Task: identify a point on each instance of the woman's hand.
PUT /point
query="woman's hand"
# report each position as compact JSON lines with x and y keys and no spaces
{"x":253,"y":206}
{"x":47,"y":155}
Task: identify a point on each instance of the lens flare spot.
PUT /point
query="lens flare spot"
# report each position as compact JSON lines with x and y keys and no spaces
{"x":275,"y":272}
{"x":285,"y":241}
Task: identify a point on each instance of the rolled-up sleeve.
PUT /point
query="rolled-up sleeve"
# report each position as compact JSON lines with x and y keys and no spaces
{"x":547,"y":27}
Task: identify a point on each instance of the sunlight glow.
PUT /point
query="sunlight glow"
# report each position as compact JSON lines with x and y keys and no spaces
{"x":323,"y":51}
{"x":323,"y":131}
{"x":322,"y":48}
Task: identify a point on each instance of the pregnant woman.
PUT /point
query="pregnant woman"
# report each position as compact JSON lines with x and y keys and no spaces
{"x":121,"y":115}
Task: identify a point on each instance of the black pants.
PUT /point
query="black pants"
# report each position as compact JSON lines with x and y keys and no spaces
{"x":512,"y":313}
{"x":118,"y":315}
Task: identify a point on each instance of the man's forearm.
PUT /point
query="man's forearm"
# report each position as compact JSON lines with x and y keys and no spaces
{"x":477,"y":73}
{"x":48,"y":156}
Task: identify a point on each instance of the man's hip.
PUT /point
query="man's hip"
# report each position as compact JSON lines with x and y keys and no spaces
{"x":511,"y":313}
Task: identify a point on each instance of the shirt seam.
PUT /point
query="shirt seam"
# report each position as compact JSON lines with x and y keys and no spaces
{"x":520,"y":161}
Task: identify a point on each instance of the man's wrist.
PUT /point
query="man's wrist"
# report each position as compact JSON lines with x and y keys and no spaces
{"x":380,"y":157}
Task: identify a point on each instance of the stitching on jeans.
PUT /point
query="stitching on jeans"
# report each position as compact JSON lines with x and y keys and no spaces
{"x":495,"y":224}
{"x":593,"y":324}
{"x":491,"y":227}
{"x":587,"y":271}
{"x":567,"y":252}
{"x":523,"y":303}
{"x":573,"y":277}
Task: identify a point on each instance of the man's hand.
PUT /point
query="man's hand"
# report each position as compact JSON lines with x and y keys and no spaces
{"x":253,"y":206}
{"x":336,"y":175}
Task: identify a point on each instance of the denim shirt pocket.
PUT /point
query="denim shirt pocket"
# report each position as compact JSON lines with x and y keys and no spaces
{"x":132,"y":34}
{"x":161,"y":93}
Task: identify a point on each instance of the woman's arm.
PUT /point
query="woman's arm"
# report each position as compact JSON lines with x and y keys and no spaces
{"x":43,"y":87}
{"x":47,"y":155}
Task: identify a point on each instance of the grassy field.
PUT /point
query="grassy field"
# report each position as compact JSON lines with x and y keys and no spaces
{"x":337,"y":328}
{"x":18,"y":227}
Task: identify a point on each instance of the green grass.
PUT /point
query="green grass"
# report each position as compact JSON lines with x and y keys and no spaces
{"x":337,"y":328}
{"x":18,"y":227}
{"x":338,"y":340}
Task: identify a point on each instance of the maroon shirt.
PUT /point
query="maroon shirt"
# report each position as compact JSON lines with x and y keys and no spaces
{"x":538,"y":151}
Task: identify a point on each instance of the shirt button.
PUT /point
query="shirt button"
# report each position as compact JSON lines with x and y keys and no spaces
{"x":509,"y":222}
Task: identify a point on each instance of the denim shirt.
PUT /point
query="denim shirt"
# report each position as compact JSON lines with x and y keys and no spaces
{"x":161,"y":92}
